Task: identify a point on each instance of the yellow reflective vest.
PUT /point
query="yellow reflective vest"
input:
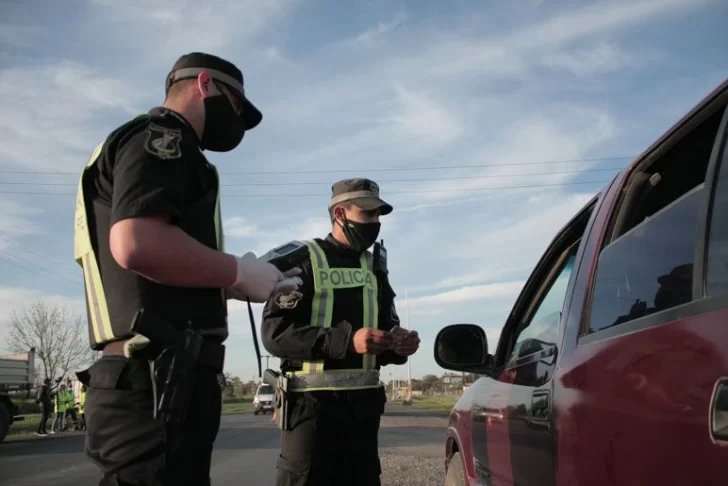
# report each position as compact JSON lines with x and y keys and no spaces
{"x":313,"y":375}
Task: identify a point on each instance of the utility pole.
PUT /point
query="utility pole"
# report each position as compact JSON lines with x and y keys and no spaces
{"x":267,"y":357}
{"x":409,"y":360}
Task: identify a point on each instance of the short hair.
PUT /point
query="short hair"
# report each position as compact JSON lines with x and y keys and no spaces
{"x":176,"y":89}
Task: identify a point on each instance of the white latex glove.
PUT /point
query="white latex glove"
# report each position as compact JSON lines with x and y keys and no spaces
{"x":290,"y":282}
{"x":256,"y":278}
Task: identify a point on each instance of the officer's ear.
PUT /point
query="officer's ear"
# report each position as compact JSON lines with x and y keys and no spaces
{"x":339,"y":213}
{"x":206,"y":86}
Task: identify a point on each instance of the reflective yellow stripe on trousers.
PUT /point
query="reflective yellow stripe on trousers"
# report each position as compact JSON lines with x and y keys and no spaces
{"x":312,"y":375}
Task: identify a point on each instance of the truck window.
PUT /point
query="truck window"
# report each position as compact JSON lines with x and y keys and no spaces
{"x":717,"y":251}
{"x":543,"y":327}
{"x":647,"y":266}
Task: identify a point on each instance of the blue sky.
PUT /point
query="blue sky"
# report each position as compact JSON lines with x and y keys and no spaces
{"x":506,"y":89}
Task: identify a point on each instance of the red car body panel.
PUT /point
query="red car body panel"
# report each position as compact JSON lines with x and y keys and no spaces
{"x":632,"y":408}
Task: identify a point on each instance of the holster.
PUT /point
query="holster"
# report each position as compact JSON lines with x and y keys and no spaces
{"x":279,"y":382}
{"x":174,"y":356}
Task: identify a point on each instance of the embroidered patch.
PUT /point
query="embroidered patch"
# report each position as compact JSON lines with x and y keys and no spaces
{"x":163,"y":142}
{"x":289,"y":301}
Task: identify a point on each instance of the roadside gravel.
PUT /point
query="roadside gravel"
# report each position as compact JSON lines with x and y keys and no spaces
{"x":409,"y":466}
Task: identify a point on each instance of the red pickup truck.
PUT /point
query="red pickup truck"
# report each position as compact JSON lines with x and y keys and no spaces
{"x":612,"y":367}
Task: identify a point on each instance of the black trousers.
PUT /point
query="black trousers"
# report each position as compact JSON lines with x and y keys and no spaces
{"x":129,"y":445}
{"x":45,"y":411}
{"x":333,"y":440}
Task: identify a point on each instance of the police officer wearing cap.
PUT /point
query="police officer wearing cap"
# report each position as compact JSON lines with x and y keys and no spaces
{"x":333,"y":335}
{"x":149,"y":239}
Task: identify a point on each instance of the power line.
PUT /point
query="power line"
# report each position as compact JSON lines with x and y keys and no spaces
{"x":55,"y":264}
{"x":288,"y":195}
{"x":43,"y":275}
{"x":353,"y":169}
{"x":260,"y":184}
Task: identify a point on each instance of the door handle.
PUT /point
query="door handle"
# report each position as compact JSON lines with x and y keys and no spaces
{"x":541,"y":406}
{"x":719,"y":411}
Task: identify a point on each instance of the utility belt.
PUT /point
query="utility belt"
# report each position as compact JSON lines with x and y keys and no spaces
{"x":174,"y":357}
{"x":297,"y":382}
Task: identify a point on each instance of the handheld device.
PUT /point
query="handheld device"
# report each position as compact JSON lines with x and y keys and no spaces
{"x":286,"y":256}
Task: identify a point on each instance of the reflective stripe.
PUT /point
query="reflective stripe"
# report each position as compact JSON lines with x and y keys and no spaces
{"x":371,"y":310}
{"x":85,"y":257}
{"x":323,"y":303}
{"x":220,"y":238}
{"x":98,"y":311}
{"x":334,"y":379}
{"x":326,"y":281}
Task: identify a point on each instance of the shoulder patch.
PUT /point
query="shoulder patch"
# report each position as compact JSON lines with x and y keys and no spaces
{"x":288,"y":301}
{"x":163,"y":142}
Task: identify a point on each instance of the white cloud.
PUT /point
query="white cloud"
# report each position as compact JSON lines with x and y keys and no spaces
{"x":373,"y":34}
{"x":173,"y":27}
{"x":603,"y":58}
{"x":438,"y":302}
{"x":49,"y":110}
{"x":238,"y":226}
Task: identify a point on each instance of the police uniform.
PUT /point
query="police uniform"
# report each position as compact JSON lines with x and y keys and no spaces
{"x":335,"y":395}
{"x":153,"y":164}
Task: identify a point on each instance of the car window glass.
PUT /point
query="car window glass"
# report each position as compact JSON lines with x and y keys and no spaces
{"x":543,"y":327}
{"x":717,"y":260}
{"x":649,"y":268}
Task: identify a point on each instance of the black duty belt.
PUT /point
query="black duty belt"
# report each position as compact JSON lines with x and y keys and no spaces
{"x":212,"y":354}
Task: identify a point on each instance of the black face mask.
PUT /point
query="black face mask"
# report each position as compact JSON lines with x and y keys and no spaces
{"x":224,"y":129}
{"x":360,"y":235}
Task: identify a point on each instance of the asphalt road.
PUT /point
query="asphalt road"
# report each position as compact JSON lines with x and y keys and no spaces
{"x":411,"y":449}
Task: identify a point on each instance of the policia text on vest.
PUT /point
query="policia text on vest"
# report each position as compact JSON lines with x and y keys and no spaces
{"x":154,"y":400}
{"x":329,"y":392}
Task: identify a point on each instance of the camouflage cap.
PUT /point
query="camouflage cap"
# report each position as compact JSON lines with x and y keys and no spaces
{"x":363,"y":193}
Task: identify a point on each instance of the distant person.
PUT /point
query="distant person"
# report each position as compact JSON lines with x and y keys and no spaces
{"x":333,"y":335}
{"x":43,"y":399}
{"x":81,"y":408}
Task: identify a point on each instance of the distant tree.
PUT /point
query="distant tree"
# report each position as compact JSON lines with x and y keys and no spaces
{"x":59,"y":338}
{"x":250,"y":387}
{"x":430,"y":382}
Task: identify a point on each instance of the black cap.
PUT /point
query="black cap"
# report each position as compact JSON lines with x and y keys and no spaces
{"x":189,"y":66}
{"x":363,"y":193}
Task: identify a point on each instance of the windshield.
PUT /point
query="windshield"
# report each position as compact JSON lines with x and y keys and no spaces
{"x":265,"y":390}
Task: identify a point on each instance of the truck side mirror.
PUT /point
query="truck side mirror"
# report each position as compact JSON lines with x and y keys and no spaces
{"x":462,"y":347}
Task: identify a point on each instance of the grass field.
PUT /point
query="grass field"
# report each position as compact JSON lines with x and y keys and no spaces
{"x":435,"y":404}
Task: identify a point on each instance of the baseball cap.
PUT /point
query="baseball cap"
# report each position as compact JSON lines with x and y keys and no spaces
{"x":190,"y":65}
{"x":361,"y":192}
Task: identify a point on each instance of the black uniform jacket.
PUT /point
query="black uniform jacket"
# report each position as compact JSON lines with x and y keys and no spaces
{"x":153,"y":165}
{"x":287,"y":332}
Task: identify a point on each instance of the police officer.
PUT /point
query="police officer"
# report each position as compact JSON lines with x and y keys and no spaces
{"x":149,"y":240}
{"x":333,"y":335}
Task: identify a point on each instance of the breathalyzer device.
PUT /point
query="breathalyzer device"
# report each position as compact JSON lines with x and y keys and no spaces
{"x":286,"y":256}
